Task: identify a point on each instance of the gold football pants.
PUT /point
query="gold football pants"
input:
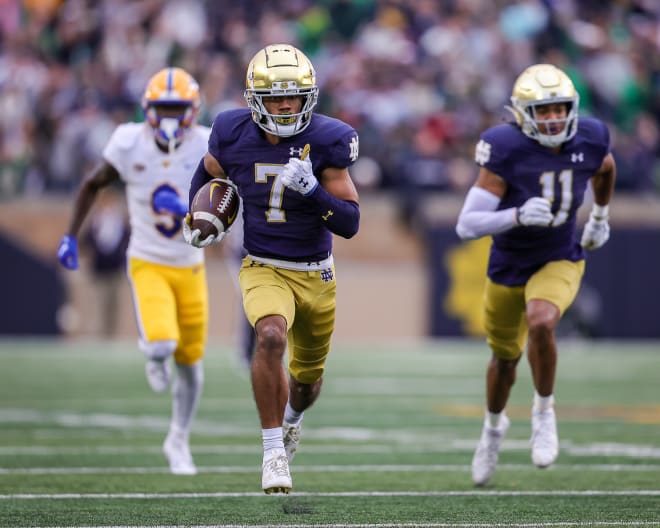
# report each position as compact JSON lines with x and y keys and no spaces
{"x":171,"y":304}
{"x":306,"y":300}
{"x":506,"y":325}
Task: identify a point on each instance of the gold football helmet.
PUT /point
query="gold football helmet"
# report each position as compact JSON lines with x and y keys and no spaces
{"x":171,"y":105}
{"x":544,"y":84}
{"x":281,"y":70}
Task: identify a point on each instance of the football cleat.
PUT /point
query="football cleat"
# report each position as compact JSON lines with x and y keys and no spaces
{"x":291,"y":437}
{"x":545,"y":444}
{"x":281,"y":70}
{"x":544,"y":84}
{"x":487,"y":453}
{"x":275,"y":477}
{"x":171,"y":104}
{"x":178,"y":456}
{"x":159,"y":374}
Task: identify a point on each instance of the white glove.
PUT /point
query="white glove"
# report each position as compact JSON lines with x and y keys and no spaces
{"x":597,"y":229}
{"x":192,"y":236}
{"x":535,"y":212}
{"x":297,"y":175}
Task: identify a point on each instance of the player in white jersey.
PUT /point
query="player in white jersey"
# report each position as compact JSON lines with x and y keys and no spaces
{"x":155,"y":159}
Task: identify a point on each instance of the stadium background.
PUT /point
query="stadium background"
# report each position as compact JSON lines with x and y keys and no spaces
{"x":418,"y":79}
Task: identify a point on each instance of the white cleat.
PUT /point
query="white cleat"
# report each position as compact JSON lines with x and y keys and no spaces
{"x":178,"y":456}
{"x":545,"y":444}
{"x":159,"y":374}
{"x":486,"y":455}
{"x":291,"y":437}
{"x":275,"y":477}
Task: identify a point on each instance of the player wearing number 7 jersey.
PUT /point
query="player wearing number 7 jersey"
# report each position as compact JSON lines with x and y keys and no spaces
{"x":532,"y":180}
{"x":291,"y":169}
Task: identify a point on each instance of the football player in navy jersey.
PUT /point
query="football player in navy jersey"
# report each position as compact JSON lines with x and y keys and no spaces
{"x":291,"y":169}
{"x":532,"y":179}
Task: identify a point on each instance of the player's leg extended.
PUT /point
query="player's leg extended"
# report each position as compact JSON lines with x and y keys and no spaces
{"x":192,"y":301}
{"x":506,"y":333}
{"x":309,"y":345}
{"x":549,"y":293}
{"x":269,"y":306}
{"x":155,"y":311}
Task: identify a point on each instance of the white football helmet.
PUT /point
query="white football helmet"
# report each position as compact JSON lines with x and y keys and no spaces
{"x":174,"y":90}
{"x":281,"y":70}
{"x":544,"y":84}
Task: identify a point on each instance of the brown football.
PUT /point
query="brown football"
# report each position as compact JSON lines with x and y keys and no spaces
{"x":214,"y":207}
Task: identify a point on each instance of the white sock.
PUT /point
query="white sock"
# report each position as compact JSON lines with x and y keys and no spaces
{"x":542,"y":403}
{"x":272,"y":438}
{"x":493,"y":419}
{"x":291,"y":416}
{"x":186,"y":390}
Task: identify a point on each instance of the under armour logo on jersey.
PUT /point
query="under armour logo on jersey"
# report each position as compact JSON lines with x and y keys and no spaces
{"x":327,"y":275}
{"x":354,"y":145}
{"x":482,"y":152}
{"x":577,"y":157}
{"x":327,"y":215}
{"x":295,"y":152}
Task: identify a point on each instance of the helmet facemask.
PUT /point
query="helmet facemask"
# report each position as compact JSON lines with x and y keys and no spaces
{"x":282,"y":125}
{"x":531,"y":125}
{"x":170,"y":123}
{"x":539,"y":85}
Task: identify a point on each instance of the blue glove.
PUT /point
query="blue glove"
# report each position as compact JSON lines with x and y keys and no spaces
{"x":67,"y":253}
{"x":166,"y":200}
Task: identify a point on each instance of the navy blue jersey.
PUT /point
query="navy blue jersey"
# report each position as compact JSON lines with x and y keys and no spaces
{"x":278,"y":222}
{"x":531,"y":169}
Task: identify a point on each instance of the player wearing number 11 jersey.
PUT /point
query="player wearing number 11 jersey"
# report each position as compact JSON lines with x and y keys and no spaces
{"x":532,"y":180}
{"x":291,"y":169}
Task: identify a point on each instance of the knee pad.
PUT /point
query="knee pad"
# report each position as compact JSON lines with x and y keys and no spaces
{"x":158,"y":350}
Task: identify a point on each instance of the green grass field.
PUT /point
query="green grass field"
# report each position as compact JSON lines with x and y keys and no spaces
{"x":388,"y":444}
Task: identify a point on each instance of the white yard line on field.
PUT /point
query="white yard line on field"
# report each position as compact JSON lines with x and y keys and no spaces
{"x":347,"y":468}
{"x":419,"y":447}
{"x":567,"y":524}
{"x":214,"y":495}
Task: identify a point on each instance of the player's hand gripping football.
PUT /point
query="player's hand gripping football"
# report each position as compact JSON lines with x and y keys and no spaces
{"x":535,"y":212}
{"x":297,"y":174}
{"x":597,"y":229}
{"x":192,"y":236}
{"x":67,"y":252}
{"x":167,"y":200}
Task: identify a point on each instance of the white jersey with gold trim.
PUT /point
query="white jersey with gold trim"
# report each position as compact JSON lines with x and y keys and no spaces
{"x":156,"y":237}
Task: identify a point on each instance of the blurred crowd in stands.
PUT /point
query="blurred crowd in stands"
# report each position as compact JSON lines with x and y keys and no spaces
{"x":418,"y":79}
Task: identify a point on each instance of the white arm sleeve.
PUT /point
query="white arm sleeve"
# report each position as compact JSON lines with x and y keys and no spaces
{"x":479,"y":216}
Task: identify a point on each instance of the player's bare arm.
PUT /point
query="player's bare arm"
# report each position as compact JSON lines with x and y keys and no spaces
{"x":603,"y":180}
{"x":338,"y":182}
{"x":102,"y":176}
{"x":490,"y":182}
{"x":213,"y":167}
{"x":597,"y":229}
